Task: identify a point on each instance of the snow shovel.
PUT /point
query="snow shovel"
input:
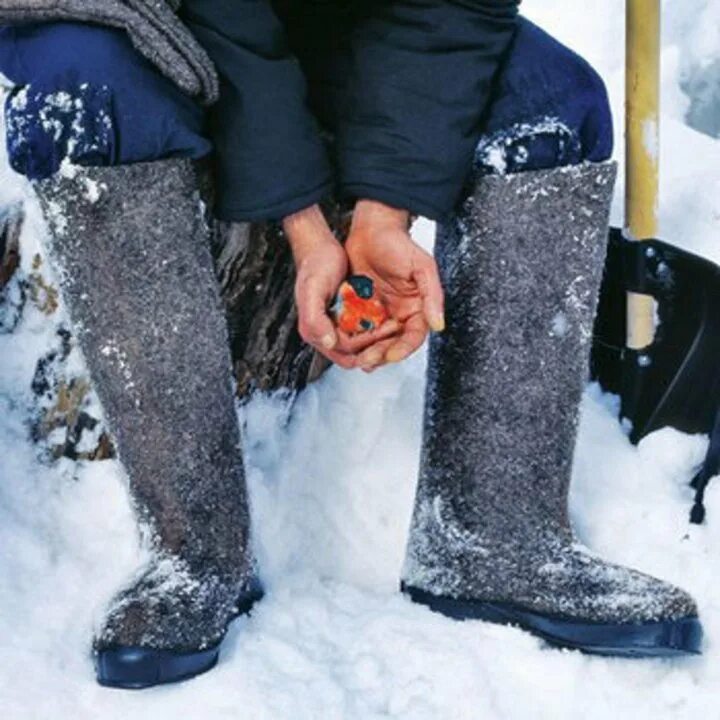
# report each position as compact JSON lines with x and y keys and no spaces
{"x":657,"y":332}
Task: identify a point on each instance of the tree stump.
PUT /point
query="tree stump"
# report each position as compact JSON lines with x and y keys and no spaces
{"x":257,"y":282}
{"x":256,"y":276}
{"x":12,"y":294}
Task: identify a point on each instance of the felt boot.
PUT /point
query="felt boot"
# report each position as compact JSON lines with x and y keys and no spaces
{"x":490,"y":536}
{"x":131,"y":245}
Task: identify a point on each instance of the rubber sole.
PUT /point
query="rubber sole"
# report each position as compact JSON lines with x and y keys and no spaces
{"x":662,"y":638}
{"x":137,"y":668}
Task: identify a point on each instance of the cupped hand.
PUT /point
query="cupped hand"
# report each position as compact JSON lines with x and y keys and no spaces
{"x":321,"y":266}
{"x":406,"y":279}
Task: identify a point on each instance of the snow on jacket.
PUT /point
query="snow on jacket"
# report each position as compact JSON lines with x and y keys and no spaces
{"x":152,"y":25}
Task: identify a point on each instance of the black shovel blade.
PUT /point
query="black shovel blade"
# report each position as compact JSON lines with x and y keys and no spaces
{"x":675,"y":381}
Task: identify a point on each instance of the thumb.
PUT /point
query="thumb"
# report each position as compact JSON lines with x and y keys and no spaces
{"x":314,"y":324}
{"x":431,"y":292}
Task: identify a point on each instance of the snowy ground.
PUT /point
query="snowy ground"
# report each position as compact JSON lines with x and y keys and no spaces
{"x":332,"y":487}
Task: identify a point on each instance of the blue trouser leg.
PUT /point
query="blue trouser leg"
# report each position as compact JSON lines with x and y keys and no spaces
{"x":83,"y":92}
{"x":550,"y":109}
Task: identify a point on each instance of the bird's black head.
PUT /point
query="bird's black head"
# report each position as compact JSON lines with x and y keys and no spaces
{"x":362,"y":285}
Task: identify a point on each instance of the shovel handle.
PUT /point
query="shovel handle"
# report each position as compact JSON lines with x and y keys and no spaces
{"x":642,"y":129}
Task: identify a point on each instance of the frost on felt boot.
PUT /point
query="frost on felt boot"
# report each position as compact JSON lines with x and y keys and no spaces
{"x":521,"y":265}
{"x":136,"y":273}
{"x":171,"y":606}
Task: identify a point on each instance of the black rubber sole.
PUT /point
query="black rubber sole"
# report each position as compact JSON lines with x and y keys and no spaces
{"x":137,"y":668}
{"x":663,"y":638}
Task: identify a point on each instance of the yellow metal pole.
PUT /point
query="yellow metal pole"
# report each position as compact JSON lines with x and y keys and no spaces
{"x":642,"y":97}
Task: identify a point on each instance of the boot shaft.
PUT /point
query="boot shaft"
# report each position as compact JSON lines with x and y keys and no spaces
{"x":137,"y":276}
{"x":521,"y":265}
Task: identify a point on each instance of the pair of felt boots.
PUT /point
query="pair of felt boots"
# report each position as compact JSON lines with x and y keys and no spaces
{"x":490,"y":536}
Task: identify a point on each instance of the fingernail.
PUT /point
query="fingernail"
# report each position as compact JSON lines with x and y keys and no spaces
{"x":437,"y":323}
{"x":371,"y":360}
{"x":395,"y":356}
{"x":328,"y":341}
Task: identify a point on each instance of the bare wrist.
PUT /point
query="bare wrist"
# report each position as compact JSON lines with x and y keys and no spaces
{"x":306,"y":229}
{"x":375,"y":215}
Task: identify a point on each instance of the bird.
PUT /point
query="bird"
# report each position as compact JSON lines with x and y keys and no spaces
{"x":356,"y":308}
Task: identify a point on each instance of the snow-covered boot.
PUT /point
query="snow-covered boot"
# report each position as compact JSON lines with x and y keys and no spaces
{"x":490,"y":535}
{"x":136,"y":273}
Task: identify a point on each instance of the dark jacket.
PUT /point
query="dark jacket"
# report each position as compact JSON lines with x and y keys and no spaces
{"x":401,"y":84}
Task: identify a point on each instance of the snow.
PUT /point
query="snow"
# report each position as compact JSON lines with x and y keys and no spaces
{"x":492,"y":153}
{"x":332,"y":486}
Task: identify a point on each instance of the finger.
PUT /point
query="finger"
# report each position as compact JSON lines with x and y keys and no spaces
{"x":374,"y":357}
{"x":357,"y":343}
{"x":314,"y":325}
{"x":344,"y":360}
{"x":347,"y":362}
{"x":413,"y":336}
{"x":430,"y":288}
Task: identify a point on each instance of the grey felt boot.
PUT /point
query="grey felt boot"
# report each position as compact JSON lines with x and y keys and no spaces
{"x":136,"y":274}
{"x":490,"y":535}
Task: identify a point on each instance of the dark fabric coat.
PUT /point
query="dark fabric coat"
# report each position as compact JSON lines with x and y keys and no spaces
{"x":100,"y":102}
{"x":402,"y":84}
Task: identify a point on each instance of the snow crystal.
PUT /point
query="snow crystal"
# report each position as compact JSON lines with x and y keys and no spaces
{"x":93,"y":190}
{"x":56,"y":217}
{"x":560,"y":325}
{"x":504,"y":151}
{"x":78,"y":122}
{"x":61,"y":100}
{"x":68,"y":169}
{"x":20,"y":100}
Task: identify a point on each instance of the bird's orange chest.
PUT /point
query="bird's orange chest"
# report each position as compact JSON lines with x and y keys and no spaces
{"x":356,"y":308}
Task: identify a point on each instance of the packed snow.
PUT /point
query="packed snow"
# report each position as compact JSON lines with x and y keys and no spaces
{"x":332,"y":482}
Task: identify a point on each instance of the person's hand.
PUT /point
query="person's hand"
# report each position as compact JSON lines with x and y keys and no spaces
{"x":405,"y":276}
{"x":321,"y":266}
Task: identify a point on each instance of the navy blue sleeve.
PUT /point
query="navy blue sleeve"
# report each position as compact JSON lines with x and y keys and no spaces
{"x":422,"y":72}
{"x":270,"y":159}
